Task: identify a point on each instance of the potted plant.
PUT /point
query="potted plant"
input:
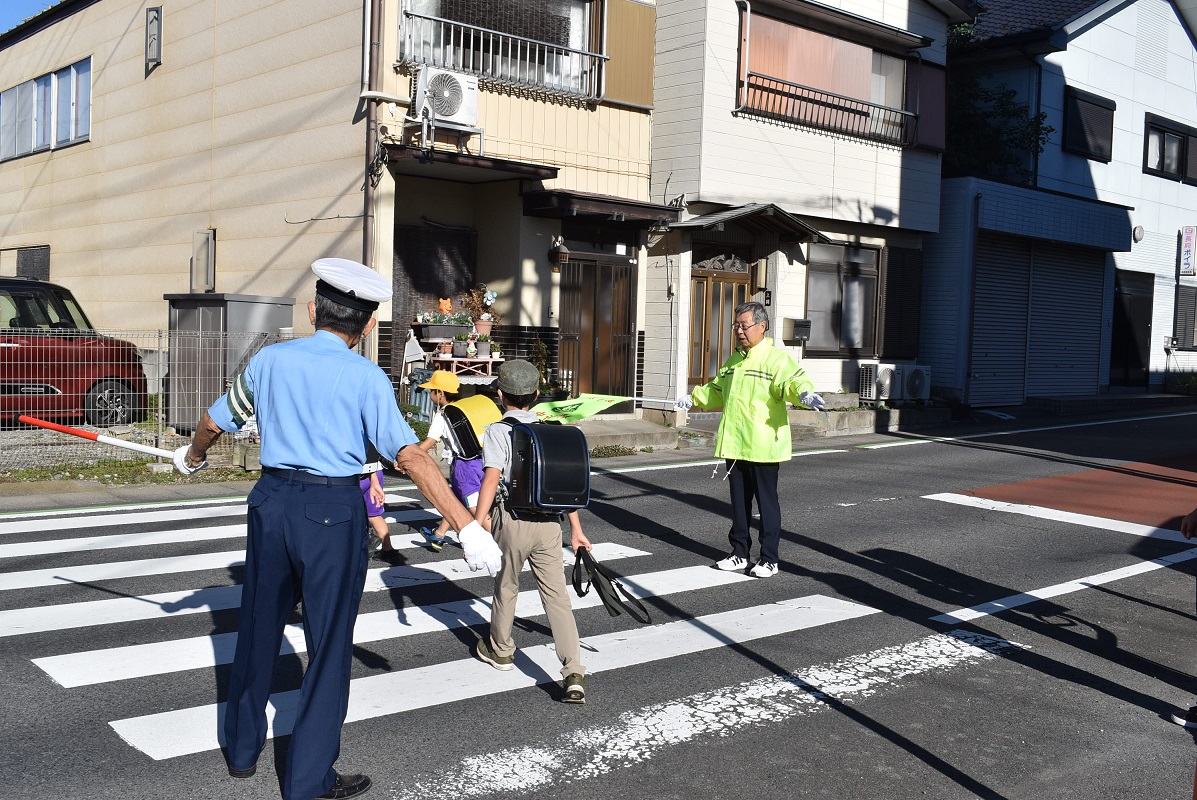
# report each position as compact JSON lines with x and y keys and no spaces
{"x":495,"y":350}
{"x":445,"y":347}
{"x":483,"y":345}
{"x":461,"y":344}
{"x":479,"y":304}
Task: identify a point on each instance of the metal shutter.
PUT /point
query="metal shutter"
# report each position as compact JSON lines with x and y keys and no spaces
{"x":1000,"y":302}
{"x":1067,"y":297}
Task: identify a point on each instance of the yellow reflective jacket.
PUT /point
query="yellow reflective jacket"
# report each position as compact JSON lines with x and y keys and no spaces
{"x":752,"y":388}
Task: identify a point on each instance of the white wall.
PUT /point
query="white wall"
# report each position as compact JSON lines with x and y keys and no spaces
{"x":1143,"y":59}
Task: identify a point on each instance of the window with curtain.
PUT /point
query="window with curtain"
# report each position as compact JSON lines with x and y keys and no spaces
{"x":48,"y":111}
{"x":841,"y":300}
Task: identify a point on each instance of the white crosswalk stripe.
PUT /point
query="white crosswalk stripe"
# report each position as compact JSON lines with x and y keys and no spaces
{"x":164,"y":734}
{"x":193,"y":730}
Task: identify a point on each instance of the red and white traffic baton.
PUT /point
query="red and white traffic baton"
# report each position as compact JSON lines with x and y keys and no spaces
{"x":96,"y":437}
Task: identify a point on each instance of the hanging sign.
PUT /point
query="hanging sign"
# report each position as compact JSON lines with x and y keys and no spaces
{"x":1188,"y":246}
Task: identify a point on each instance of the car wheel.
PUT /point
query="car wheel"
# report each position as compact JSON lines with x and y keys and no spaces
{"x":109,"y":403}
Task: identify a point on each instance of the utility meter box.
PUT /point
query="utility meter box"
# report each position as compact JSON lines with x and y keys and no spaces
{"x":212,"y":337}
{"x":795,"y":331}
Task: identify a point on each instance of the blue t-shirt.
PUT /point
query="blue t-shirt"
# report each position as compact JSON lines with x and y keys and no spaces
{"x":317,"y":404}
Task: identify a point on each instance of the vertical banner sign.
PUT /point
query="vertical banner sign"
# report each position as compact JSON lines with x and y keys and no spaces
{"x":1188,"y":243}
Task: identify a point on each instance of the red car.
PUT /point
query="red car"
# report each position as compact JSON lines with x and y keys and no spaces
{"x":53,"y":364}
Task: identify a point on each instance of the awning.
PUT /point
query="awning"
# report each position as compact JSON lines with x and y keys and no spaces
{"x":754,"y":217}
{"x":448,"y":165}
{"x":559,"y":204}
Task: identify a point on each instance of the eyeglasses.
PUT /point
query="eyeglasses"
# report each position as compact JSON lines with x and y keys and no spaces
{"x":740,"y":326}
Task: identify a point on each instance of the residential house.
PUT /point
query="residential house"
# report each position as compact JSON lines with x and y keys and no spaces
{"x":803,"y":141}
{"x":1074,"y":274}
{"x":199,"y":147}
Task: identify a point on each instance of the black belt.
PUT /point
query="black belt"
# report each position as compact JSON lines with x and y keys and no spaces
{"x":299,"y":476}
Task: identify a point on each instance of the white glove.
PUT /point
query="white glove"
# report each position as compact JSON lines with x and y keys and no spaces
{"x":812,"y":400}
{"x":181,"y":464}
{"x":684,"y":403}
{"x":480,"y":549}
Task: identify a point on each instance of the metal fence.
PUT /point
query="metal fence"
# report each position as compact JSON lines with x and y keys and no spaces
{"x":148,"y":387}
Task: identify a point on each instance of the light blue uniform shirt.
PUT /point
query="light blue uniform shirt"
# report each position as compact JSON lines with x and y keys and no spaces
{"x":316,"y":403}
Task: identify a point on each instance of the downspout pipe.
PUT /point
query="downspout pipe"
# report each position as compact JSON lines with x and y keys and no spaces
{"x":741,"y":95}
{"x":370,"y":33}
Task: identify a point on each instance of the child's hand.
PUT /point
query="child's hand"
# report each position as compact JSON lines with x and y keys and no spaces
{"x":378,"y":496}
{"x":578,"y":539}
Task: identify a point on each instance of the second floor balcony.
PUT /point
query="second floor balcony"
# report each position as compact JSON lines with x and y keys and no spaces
{"x":500,"y":58}
{"x":802,"y":106}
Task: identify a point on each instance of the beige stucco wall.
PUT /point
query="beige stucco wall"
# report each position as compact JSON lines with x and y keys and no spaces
{"x":249,"y":126}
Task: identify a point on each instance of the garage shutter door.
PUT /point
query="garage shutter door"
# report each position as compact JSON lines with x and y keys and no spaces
{"x":1067,"y":296}
{"x":999,"y":346}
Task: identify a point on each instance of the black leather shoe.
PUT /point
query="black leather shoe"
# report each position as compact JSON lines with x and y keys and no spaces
{"x":347,"y":786}
{"x":243,"y":773}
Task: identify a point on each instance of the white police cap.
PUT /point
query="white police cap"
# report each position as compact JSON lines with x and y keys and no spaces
{"x":350,"y":283}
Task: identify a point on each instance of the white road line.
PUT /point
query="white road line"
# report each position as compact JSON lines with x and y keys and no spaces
{"x":159,"y":658}
{"x":933,"y":439}
{"x":703,"y":463}
{"x":90,"y":510}
{"x":642,"y":734}
{"x":90,"y":573}
{"x":66,"y":616}
{"x":1016,"y":600}
{"x":103,"y":517}
{"x":1042,"y":512}
{"x":1068,"y":587}
{"x":194,"y":730}
{"x":100,"y":520}
{"x":119,"y":540}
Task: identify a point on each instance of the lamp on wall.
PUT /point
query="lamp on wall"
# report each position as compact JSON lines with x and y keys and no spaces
{"x":558,"y":255}
{"x":153,"y":37}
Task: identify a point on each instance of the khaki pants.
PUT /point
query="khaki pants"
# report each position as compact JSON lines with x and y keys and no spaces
{"x":539,"y":544}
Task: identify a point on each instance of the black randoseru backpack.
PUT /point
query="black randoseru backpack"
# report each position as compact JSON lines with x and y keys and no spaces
{"x":550,"y":468}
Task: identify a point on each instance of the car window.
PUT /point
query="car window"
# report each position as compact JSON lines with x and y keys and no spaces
{"x":8,"y":312}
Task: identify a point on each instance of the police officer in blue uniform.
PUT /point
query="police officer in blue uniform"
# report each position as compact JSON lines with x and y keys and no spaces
{"x":317,"y":404}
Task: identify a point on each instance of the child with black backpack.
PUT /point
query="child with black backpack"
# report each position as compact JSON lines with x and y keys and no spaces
{"x":524,"y":536}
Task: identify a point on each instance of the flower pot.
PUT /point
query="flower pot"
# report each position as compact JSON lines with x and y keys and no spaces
{"x":483,"y":326}
{"x":438,"y":331}
{"x":483,"y":349}
{"x":445,"y":348}
{"x":459,"y":349}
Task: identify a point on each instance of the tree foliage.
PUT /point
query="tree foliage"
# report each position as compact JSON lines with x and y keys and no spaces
{"x":990,"y":134}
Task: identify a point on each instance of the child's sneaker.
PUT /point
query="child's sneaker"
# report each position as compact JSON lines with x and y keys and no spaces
{"x":435,"y":542}
{"x":575,"y":689}
{"x":504,"y":663}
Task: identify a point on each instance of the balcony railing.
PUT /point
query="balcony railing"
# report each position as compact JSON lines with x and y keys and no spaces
{"x":792,"y":103}
{"x":500,"y":57}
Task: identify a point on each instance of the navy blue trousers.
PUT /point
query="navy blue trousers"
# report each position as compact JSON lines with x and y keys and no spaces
{"x":306,"y":542}
{"x":750,"y":480}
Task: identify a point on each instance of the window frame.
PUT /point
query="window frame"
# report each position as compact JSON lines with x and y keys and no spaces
{"x":1075,"y":138}
{"x":31,"y":111}
{"x":1186,"y":171}
{"x":847,"y":272}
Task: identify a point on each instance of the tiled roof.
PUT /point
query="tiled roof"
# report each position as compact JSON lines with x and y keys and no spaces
{"x":1007,"y":17}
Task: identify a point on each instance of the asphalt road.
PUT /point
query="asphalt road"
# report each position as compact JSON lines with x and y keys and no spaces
{"x":854,"y":673}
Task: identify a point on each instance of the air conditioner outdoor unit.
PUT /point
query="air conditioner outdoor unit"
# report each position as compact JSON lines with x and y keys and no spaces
{"x":880,"y":382}
{"x":916,"y":382}
{"x":448,"y":96}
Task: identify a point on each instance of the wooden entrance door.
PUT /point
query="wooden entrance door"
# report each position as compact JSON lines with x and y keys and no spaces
{"x":597,"y":348}
{"x":714,"y":295}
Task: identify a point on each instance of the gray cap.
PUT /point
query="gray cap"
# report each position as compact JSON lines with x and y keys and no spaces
{"x":518,"y":377}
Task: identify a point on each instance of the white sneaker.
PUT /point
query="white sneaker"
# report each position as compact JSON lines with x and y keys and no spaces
{"x":763,"y":570}
{"x":732,"y":563}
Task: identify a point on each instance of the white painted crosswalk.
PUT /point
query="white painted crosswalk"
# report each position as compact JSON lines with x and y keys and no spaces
{"x":164,"y":733}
